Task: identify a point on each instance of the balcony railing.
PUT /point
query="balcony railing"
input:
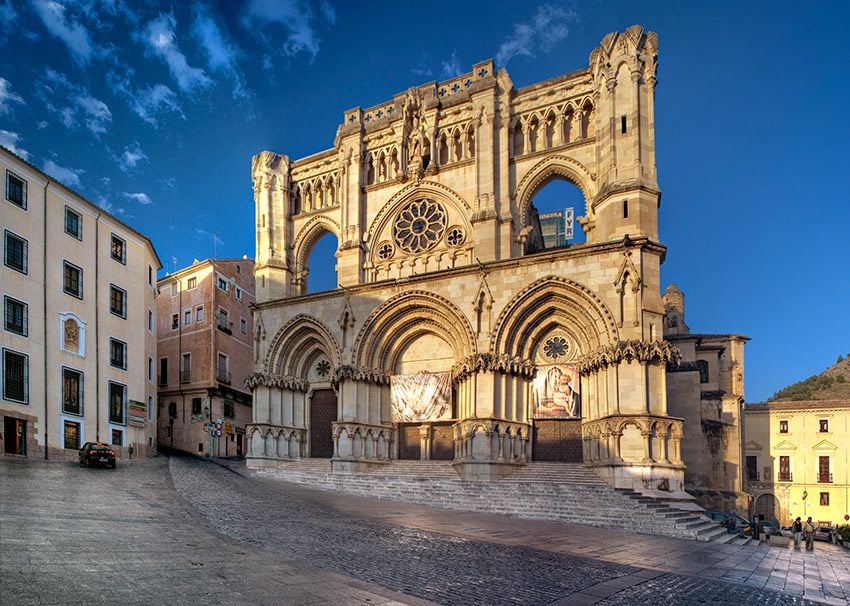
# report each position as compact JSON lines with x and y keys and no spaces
{"x":223,"y":376}
{"x":752,"y":476}
{"x":224,"y":326}
{"x":185,"y":376}
{"x":825,"y":478}
{"x":785,"y":476}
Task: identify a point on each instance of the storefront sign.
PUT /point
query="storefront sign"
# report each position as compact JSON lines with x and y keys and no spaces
{"x":137,"y":413}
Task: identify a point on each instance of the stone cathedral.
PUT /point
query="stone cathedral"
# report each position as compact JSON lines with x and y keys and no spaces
{"x":456,"y":331}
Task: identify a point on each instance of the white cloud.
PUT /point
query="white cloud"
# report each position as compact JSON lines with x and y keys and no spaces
{"x":96,"y":113}
{"x":93,"y":112}
{"x":10,"y":141}
{"x":7,"y":96}
{"x":8,"y":15}
{"x":132,"y":155}
{"x":222,"y":55}
{"x":451,"y":67}
{"x":298,"y":20}
{"x":161,"y":40}
{"x":547,"y":27}
{"x":147,"y":103}
{"x":65,"y":175}
{"x":75,"y":36}
{"x":139,"y":197}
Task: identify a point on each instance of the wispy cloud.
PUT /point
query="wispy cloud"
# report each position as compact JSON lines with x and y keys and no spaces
{"x":222,"y":55}
{"x":160,"y":38}
{"x":94,"y":113}
{"x":298,"y":20}
{"x":148,"y":103}
{"x":139,"y":197}
{"x":450,"y":67}
{"x":8,"y":15}
{"x":548,"y":26}
{"x":7,"y":97}
{"x":64,"y":174}
{"x":132,"y":155}
{"x":11,"y":141}
{"x":75,"y":36}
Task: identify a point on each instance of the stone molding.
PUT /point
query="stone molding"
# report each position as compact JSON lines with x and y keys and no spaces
{"x":257,"y":379}
{"x":485,"y":362}
{"x":360,"y":373}
{"x":646,"y":352}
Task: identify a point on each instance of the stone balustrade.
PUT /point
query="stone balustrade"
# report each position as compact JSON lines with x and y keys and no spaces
{"x":275,"y":442}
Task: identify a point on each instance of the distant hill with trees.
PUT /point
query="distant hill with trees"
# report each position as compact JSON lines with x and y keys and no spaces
{"x":832,"y":384}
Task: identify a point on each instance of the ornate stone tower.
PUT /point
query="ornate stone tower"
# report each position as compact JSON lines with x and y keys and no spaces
{"x":455,"y":333}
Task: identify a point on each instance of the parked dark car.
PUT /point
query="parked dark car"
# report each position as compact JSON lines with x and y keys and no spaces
{"x":97,"y":453}
{"x":723,"y":517}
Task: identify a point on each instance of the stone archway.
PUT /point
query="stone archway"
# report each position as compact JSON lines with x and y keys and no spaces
{"x":767,"y":505}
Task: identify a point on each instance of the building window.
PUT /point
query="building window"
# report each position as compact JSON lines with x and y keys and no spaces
{"x":16,"y":190}
{"x":72,"y":391}
{"x":702,"y":365}
{"x":222,"y":374}
{"x":175,"y":321}
{"x":227,"y":409}
{"x":15,"y":316}
{"x":783,"y":426}
{"x":174,"y":288}
{"x":785,"y":468}
{"x":824,"y":499}
{"x":199,"y":313}
{"x":222,"y":284}
{"x":185,"y":368}
{"x":118,"y":249}
{"x":72,"y":280}
{"x":243,"y":326}
{"x":117,"y":404}
{"x":71,"y":435}
{"x":73,"y":224}
{"x":223,"y":320}
{"x":824,"y":476}
{"x":238,"y":293}
{"x":196,"y":406}
{"x":117,"y":354}
{"x":117,"y":437}
{"x":824,"y":425}
{"x":752,"y":468}
{"x":150,"y":321}
{"x":15,"y":376}
{"x":150,"y":369}
{"x":117,"y":301}
{"x":622,"y":125}
{"x":192,"y":283}
{"x":163,"y":371}
{"x":150,"y":275}
{"x":15,"y":252}
{"x":187,"y":316}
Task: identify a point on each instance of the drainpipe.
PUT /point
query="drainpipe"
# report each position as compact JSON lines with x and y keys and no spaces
{"x":44,"y":312}
{"x":96,"y":328}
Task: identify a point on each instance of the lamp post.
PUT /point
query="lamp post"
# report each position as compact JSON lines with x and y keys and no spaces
{"x":805,"y":505}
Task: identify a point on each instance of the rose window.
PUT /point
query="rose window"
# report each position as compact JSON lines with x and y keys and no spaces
{"x":419,"y":226}
{"x":555,"y":347}
{"x":385,"y":251}
{"x":323,"y":368}
{"x":455,"y":237}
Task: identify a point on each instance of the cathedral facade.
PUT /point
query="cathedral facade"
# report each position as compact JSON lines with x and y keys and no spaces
{"x":456,"y":332}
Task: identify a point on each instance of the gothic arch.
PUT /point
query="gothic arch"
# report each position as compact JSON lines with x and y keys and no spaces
{"x":296,"y":344}
{"x":400,"y":319}
{"x":546,"y":303}
{"x":309,"y":234}
{"x":548,"y":168}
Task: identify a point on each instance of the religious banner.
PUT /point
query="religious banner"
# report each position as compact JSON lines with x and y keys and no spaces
{"x":421,"y":397}
{"x":556,"y":392}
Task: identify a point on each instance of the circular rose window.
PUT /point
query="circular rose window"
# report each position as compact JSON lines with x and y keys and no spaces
{"x":419,"y":225}
{"x":555,"y":347}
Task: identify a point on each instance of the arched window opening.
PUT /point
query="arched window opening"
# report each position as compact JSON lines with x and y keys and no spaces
{"x":321,"y":265}
{"x":553,"y":216}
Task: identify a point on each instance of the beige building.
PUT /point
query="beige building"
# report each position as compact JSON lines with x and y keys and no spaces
{"x":706,"y":389}
{"x":78,"y":343}
{"x":205,"y":341}
{"x":797,"y":460}
{"x":455,"y":333}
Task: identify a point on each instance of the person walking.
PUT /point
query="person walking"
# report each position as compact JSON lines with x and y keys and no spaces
{"x":809,"y":530}
{"x":797,"y":528}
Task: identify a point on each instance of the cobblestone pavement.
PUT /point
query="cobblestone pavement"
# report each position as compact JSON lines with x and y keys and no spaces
{"x":188,"y":531}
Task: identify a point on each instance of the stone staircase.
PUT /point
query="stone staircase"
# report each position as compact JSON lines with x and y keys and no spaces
{"x":556,"y":491}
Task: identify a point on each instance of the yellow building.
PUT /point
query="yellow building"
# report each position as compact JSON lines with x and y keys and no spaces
{"x":796,"y":460}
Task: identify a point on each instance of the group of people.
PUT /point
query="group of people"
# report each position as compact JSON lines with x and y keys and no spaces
{"x":806,"y":531}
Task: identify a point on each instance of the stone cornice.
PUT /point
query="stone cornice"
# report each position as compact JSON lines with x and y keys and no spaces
{"x":656,"y":352}
{"x":505,"y":364}
{"x":358,"y":373}
{"x":281,"y":381}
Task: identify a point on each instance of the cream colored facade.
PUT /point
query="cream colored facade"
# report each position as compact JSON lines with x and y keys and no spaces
{"x":441,"y":268}
{"x":798,"y":460}
{"x":706,"y":389}
{"x":78,"y":322}
{"x":205,"y":336}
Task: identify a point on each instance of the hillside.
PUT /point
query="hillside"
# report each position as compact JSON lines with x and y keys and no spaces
{"x":832,"y":384}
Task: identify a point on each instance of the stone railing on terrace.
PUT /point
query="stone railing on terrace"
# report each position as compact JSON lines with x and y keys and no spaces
{"x":660,"y":440}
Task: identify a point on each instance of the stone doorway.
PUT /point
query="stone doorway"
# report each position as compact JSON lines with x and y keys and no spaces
{"x":557,"y":440}
{"x":15,"y":436}
{"x":323,"y":411}
{"x":767,"y":506}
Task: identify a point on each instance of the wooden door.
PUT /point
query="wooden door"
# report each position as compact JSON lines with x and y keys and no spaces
{"x":322,"y":417}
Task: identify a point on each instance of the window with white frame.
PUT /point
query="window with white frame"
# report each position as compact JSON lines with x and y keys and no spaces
{"x":192,"y":283}
{"x":71,"y":437}
{"x":118,"y":249}
{"x":150,"y":321}
{"x":222,"y":283}
{"x":15,"y":316}
{"x":72,"y":391}
{"x":15,"y":376}
{"x":15,"y":252}
{"x":117,"y":301}
{"x":243,"y":326}
{"x":16,"y":190}
{"x":199,"y":313}
{"x":117,"y":354}
{"x":73,"y":223}
{"x":117,"y":403}
{"x":187,"y":316}
{"x":72,"y":280}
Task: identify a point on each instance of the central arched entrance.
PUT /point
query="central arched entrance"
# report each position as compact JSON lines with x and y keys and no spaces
{"x":323,"y":414}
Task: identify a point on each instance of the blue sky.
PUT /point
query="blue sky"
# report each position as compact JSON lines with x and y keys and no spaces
{"x":153,"y":110}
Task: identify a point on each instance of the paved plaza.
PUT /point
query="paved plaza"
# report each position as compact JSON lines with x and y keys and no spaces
{"x":181,"y":530}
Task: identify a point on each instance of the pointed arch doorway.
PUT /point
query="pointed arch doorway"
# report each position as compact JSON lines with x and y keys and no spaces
{"x":323,"y":414}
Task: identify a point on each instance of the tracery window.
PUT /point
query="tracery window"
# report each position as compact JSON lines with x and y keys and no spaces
{"x":419,"y":225}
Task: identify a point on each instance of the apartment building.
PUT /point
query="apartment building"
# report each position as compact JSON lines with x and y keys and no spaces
{"x":205,"y":336}
{"x":78,"y":342}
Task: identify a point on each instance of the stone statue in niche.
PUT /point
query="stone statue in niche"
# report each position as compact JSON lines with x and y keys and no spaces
{"x":413,"y":134}
{"x":72,"y":336}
